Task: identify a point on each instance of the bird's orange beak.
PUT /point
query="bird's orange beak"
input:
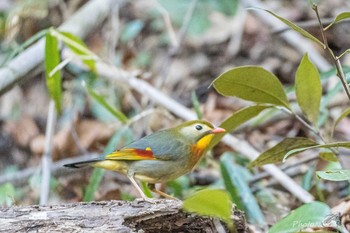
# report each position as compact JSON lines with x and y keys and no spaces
{"x":218,"y":130}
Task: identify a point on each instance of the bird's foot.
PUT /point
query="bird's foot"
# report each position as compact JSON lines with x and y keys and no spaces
{"x":146,"y":199}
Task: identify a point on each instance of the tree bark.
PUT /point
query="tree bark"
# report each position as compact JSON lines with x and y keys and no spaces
{"x":111,"y":216}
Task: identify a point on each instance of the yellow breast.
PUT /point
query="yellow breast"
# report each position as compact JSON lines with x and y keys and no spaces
{"x":199,"y":148}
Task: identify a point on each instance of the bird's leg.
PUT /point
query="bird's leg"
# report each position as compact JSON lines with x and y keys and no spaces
{"x":143,"y":195}
{"x":152,"y":187}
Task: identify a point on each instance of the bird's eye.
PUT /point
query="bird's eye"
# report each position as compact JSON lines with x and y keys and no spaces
{"x":198,"y":127}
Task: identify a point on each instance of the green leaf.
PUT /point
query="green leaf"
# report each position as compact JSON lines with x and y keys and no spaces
{"x":294,"y":27}
{"x":53,"y":79}
{"x":252,"y":83}
{"x":306,"y":216}
{"x":210,"y":202}
{"x":101,"y":100}
{"x":237,"y":119}
{"x":7,"y":193}
{"x":341,"y":117}
{"x":238,"y":187}
{"x":277,"y":153}
{"x":87,"y":56}
{"x":338,"y":18}
{"x":329,"y":145}
{"x":334,"y":175}
{"x":328,"y":156}
{"x":307,"y":78}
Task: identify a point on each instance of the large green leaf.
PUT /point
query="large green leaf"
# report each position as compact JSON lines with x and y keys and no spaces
{"x":210,"y":202}
{"x":334,"y":175}
{"x":329,"y":145}
{"x":308,"y":215}
{"x":237,"y":119}
{"x":238,"y":187}
{"x":252,"y":83}
{"x":277,"y":153}
{"x":294,"y":27}
{"x":53,"y":77}
{"x":338,"y":18}
{"x":308,"y":89}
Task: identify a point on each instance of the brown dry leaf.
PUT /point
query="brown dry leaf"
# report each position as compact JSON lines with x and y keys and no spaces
{"x":82,"y":135}
{"x":22,"y":131}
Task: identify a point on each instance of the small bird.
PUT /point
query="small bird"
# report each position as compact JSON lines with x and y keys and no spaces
{"x":159,"y":157}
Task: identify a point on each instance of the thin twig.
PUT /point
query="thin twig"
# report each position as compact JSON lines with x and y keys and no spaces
{"x":47,"y":157}
{"x":335,"y":59}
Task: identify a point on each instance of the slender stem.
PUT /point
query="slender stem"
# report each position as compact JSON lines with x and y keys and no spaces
{"x":47,"y":156}
{"x":335,"y":59}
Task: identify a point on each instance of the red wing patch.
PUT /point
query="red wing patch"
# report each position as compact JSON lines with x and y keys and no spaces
{"x":131,"y":154}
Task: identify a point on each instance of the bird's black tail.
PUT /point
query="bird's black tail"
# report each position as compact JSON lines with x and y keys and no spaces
{"x":82,"y":164}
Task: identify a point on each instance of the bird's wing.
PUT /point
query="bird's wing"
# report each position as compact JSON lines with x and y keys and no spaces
{"x":159,"y":145}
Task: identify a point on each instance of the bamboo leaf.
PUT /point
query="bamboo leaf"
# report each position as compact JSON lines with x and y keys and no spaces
{"x":338,"y":18}
{"x":307,"y":78}
{"x":53,"y":80}
{"x":277,"y":153}
{"x":239,"y":190}
{"x":237,"y":119}
{"x":87,"y":56}
{"x":252,"y":83}
{"x":334,"y":175}
{"x":76,"y":45}
{"x":294,"y":27}
{"x":308,"y":215}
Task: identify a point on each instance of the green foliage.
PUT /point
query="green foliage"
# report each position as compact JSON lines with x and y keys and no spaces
{"x":291,"y":146}
{"x":52,"y":60}
{"x":307,"y":78}
{"x":202,"y":203}
{"x":334,"y":174}
{"x":7,"y":194}
{"x":338,"y":18}
{"x":76,"y":45}
{"x":276,"y":154}
{"x":252,"y":83}
{"x":237,"y":185}
{"x":294,"y":27}
{"x":328,"y":156}
{"x":53,"y":75}
{"x":308,"y":215}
